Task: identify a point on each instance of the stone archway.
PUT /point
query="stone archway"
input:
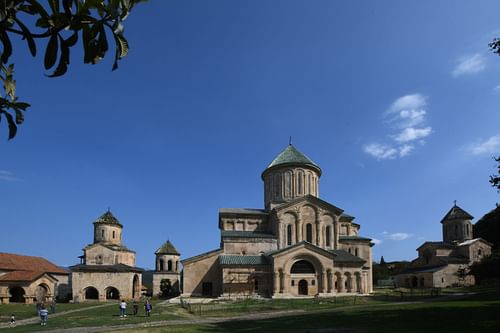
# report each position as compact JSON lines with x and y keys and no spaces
{"x":91,"y":293}
{"x":303,"y":288}
{"x":41,"y":292}
{"x":112,"y":293}
{"x":136,"y":288}
{"x":17,"y":294}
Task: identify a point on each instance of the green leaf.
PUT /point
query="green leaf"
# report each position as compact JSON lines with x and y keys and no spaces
{"x":12,"y":125}
{"x":28,"y":36}
{"x":51,"y":52}
{"x":7,"y":46}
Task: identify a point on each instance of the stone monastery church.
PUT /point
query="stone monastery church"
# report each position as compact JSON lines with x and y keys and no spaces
{"x":298,"y":245}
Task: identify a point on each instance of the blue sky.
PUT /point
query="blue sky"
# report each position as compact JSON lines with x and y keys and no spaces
{"x":398,"y":102}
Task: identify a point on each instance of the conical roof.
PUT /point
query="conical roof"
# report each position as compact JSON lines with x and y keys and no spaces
{"x":457,"y":213}
{"x":167,"y":248}
{"x":108,"y":218}
{"x":291,"y":156}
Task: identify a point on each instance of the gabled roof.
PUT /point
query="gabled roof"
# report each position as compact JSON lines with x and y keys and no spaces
{"x":112,"y":247}
{"x":457,"y":213}
{"x":167,"y":248}
{"x":17,"y":262}
{"x":453,"y":259}
{"x":311,"y":199}
{"x":239,"y":260}
{"x":291,"y":156}
{"x":470,"y":241}
{"x":23,"y":276}
{"x":202,"y":256}
{"x":108,"y":218}
{"x":245,"y":234}
{"x":344,"y":256}
{"x":118,"y":268}
{"x":439,"y":245}
{"x":305,"y":244}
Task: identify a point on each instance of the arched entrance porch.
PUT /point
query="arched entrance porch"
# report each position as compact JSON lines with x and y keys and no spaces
{"x":17,"y":294}
{"x":112,"y":293}
{"x":91,"y":293}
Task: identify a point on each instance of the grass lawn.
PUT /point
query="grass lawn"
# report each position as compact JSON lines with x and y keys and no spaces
{"x":23,"y":311}
{"x":107,"y":315}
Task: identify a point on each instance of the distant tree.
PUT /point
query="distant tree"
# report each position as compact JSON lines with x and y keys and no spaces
{"x":382,"y":261}
{"x":61,"y":22}
{"x":487,"y":268}
{"x":462,"y":273}
{"x":495,"y":179}
{"x":488,"y":228}
{"x":165,"y":287}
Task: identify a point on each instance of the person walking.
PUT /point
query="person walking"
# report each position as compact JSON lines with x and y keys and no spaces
{"x":135,"y":306}
{"x":12,"y":320}
{"x":44,"y":315}
{"x":123,"y":309}
{"x":148,"y":307}
{"x":53,"y":306}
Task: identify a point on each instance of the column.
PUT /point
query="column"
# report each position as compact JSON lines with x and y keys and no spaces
{"x":324,"y":282}
{"x":276,"y":283}
{"x":299,"y":230}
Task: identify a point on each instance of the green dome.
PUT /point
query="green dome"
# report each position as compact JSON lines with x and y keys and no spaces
{"x":108,"y":218}
{"x":291,"y":156}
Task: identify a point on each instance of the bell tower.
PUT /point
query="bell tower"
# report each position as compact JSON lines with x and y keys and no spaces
{"x":457,"y":225}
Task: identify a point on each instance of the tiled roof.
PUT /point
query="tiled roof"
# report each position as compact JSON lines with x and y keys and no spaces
{"x":201,"y":255}
{"x":239,"y":260}
{"x":118,"y":268}
{"x":346,"y":217}
{"x":344,"y":256}
{"x":245,"y":234}
{"x":441,"y":245}
{"x":17,"y":262}
{"x":457,"y":213}
{"x":425,"y":269}
{"x":242,"y":211}
{"x":453,"y":259}
{"x":108,"y":218}
{"x":167,"y":248}
{"x":292,"y":156}
{"x":19,"y":276}
{"x":355,"y":238}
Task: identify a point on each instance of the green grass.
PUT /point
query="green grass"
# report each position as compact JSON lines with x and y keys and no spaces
{"x":108,"y":315}
{"x":23,"y":311}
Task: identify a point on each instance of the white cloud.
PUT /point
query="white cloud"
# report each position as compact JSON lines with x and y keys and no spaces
{"x":497,"y":89}
{"x":398,"y":236}
{"x":411,"y":134}
{"x":405,"y":113}
{"x":8,"y":176}
{"x":380,"y":151}
{"x":489,"y":146}
{"x":376,"y":241}
{"x":471,"y":64}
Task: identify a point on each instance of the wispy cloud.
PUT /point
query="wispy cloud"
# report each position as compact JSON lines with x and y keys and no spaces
{"x":407,"y":115}
{"x":497,"y":89}
{"x":470,"y":64}
{"x":8,"y":176}
{"x":488,"y":146}
{"x":376,"y":241}
{"x":398,"y":236}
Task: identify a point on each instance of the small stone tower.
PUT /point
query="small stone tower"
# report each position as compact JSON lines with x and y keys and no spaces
{"x":108,"y":230}
{"x":290,"y":175}
{"x":167,"y":268}
{"x":457,"y":225}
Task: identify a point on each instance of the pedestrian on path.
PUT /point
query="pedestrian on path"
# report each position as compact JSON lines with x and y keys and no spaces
{"x":148,"y":307}
{"x":44,"y":315}
{"x":123,"y":309}
{"x":135,"y":306}
{"x":12,"y":320}
{"x":53,"y":306}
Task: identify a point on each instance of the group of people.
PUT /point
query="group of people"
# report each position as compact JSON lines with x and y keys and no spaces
{"x":43,"y":312}
{"x":148,"y":307}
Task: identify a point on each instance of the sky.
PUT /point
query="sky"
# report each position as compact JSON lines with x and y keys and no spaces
{"x":397,"y":102}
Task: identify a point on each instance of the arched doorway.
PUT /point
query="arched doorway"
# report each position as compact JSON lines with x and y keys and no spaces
{"x":303,"y":287}
{"x":17,"y":295}
{"x":112,"y":293}
{"x":41,"y":292}
{"x":91,"y":293}
{"x":136,"y":288}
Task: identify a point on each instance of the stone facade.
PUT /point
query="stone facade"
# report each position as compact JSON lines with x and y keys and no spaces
{"x":107,"y":269}
{"x":299,"y":245}
{"x":439,"y":263}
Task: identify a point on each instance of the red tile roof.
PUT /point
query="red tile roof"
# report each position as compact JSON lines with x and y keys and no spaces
{"x":17,"y":262}
{"x":21,"y":276}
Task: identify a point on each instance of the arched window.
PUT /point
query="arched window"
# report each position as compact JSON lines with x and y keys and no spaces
{"x":102,"y":233}
{"x":113,"y":234}
{"x":289,"y":234}
{"x":169,"y":265}
{"x":309,"y":185}
{"x":299,"y":182}
{"x":98,"y":259}
{"x":356,"y":252}
{"x":161,"y":265}
{"x":302,"y":267}
{"x":256,"y":284}
{"x":309,"y":233}
{"x":328,"y":240}
{"x":479,"y":252}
